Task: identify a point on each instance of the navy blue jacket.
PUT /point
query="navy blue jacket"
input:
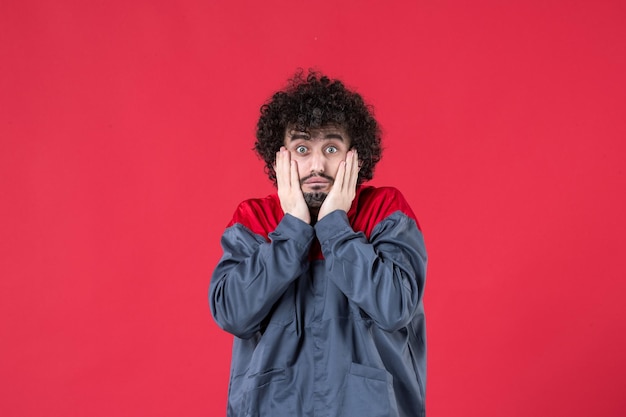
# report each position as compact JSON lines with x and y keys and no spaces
{"x":328,"y":319}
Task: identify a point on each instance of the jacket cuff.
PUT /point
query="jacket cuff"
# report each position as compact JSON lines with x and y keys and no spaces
{"x":293,"y":229}
{"x":333,"y":224}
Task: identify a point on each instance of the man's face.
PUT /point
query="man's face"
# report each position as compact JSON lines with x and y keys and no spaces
{"x":318,"y":153}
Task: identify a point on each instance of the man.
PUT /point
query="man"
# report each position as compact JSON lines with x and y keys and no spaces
{"x":321,"y":284}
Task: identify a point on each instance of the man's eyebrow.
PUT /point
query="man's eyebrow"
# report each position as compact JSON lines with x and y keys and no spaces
{"x":334,"y":135}
{"x":306,"y":136}
{"x":299,"y":135}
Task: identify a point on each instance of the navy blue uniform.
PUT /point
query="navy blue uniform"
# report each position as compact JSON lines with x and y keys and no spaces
{"x":328,"y":319}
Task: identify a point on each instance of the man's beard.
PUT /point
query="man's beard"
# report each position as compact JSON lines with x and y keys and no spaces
{"x":315,"y":199}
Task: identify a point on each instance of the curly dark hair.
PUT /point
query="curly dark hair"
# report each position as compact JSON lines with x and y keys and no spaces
{"x":311,"y":102}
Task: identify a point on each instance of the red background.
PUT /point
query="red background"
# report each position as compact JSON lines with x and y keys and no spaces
{"x":126,"y":132}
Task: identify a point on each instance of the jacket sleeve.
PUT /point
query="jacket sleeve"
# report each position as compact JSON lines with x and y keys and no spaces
{"x":384,"y":276}
{"x":253,"y":273}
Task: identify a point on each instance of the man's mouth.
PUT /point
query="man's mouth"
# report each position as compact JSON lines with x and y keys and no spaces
{"x":317,"y":180}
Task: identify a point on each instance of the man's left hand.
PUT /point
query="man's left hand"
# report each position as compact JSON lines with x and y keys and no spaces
{"x":342,"y":193}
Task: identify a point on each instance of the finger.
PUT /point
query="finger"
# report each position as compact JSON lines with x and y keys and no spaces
{"x":354,"y":175}
{"x":286,"y":162}
{"x":295,"y":177}
{"x":339,"y":178}
{"x":349,"y":170}
{"x":282,"y":174}
{"x":277,"y":165}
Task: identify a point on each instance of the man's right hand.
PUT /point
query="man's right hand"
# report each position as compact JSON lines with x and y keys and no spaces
{"x":288,"y":182}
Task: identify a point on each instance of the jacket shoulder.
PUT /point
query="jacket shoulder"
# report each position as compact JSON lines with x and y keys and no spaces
{"x":259,"y":215}
{"x":376,"y":204}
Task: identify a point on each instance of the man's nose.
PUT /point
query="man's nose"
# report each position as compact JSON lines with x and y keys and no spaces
{"x":318,"y":162}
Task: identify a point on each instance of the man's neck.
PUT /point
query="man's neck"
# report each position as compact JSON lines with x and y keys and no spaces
{"x":314,"y":211}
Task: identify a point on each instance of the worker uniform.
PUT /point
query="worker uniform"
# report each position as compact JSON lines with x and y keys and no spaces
{"x":328,"y":319}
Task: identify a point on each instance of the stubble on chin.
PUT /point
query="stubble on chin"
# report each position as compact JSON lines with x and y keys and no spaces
{"x":315,"y":199}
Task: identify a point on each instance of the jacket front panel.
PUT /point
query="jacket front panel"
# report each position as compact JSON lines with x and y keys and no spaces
{"x":335,"y":333}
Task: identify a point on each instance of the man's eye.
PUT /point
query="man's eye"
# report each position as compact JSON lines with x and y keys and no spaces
{"x":331,"y":149}
{"x":301,"y":149}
